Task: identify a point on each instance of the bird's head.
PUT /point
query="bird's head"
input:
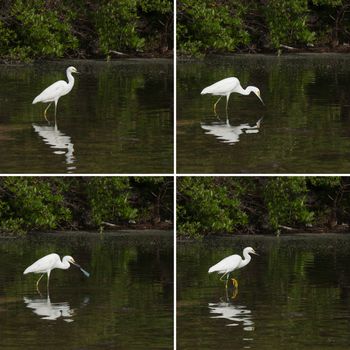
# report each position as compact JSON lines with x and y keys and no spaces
{"x":69,"y":259}
{"x":257,"y":93}
{"x":72,"y":70}
{"x":250,"y":250}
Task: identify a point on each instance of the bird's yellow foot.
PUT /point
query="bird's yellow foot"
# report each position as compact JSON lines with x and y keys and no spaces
{"x":234,"y":283}
{"x":234,"y":293}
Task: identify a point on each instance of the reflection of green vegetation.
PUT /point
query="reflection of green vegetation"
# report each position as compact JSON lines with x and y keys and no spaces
{"x":232,"y":25}
{"x":32,"y":29}
{"x":29,"y":204}
{"x":211,"y":205}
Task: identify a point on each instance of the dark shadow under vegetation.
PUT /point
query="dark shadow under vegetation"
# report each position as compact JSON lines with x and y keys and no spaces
{"x":30,"y":204}
{"x":257,"y":205}
{"x":50,"y":29}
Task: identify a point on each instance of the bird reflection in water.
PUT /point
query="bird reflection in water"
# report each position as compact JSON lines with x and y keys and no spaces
{"x":46,"y":310}
{"x":235,"y":314}
{"x":227,"y":133}
{"x":58,"y":141}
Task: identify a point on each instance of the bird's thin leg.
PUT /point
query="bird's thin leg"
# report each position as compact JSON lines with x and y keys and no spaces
{"x":46,"y":111}
{"x":221,"y":278}
{"x":227,"y":98}
{"x":227,"y":277}
{"x":55,"y":109}
{"x":48,"y":280}
{"x":216,"y":104}
{"x":37,"y":283}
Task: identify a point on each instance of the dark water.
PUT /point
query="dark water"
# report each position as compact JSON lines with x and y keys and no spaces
{"x":304,"y":126}
{"x":127,"y":303}
{"x":117,"y":118}
{"x":295,"y":295}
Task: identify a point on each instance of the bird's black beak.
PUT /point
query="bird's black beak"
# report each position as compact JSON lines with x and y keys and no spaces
{"x":74,"y":263}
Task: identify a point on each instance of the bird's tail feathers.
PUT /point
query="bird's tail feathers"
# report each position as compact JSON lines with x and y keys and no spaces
{"x":204,"y":91}
{"x":212,"y":269}
{"x":36,"y":100}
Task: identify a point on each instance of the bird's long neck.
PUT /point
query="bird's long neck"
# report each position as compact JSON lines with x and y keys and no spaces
{"x":246,"y":259}
{"x":70,"y":80}
{"x":245,"y":91}
{"x":64,"y":265}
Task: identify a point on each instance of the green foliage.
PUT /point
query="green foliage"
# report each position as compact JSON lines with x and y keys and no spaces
{"x":31,"y":204}
{"x":212,"y":205}
{"x":39,"y":204}
{"x":31,"y":29}
{"x":205,"y":206}
{"x":120,"y":18}
{"x":109,"y":200}
{"x":235,"y":25}
{"x":34,"y":32}
{"x":207,"y":25}
{"x":286,"y":22}
{"x":285,"y":199}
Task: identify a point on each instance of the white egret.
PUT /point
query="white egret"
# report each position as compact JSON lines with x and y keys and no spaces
{"x":232,"y":263}
{"x":56,"y":90}
{"x":50,"y":262}
{"x":226,"y":87}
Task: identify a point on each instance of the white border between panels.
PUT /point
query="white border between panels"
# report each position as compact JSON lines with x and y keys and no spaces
{"x":175,"y":178}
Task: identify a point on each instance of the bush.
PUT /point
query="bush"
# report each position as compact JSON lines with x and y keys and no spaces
{"x":40,"y":204}
{"x":214,"y":205}
{"x":32,"y":29}
{"x":205,"y":26}
{"x":32,"y":204}
{"x":204,"y":205}
{"x":235,"y":25}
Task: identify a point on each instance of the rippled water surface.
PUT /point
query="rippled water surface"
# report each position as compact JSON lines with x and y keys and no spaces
{"x":304,"y":126}
{"x":126,"y":303}
{"x":294,"y":295}
{"x":117,"y":118}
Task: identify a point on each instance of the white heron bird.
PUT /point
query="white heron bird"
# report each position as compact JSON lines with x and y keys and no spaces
{"x":226,"y":87}
{"x":56,"y":90}
{"x":50,"y":262}
{"x":232,"y":263}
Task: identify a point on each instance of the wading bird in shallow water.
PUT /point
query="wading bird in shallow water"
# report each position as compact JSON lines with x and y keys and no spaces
{"x":56,"y":90}
{"x":50,"y":262}
{"x":232,"y":263}
{"x":226,"y":87}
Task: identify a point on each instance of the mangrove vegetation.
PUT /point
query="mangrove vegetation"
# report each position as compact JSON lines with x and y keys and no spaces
{"x":46,"y":29}
{"x":222,"y":26}
{"x":254,"y":205}
{"x":30,"y":204}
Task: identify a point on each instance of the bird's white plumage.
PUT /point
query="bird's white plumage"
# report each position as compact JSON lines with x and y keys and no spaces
{"x":222,"y":87}
{"x":233,"y":262}
{"x":45,"y":264}
{"x":226,"y":87}
{"x":57,"y":89}
{"x":227,"y":264}
{"x":49,"y":262}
